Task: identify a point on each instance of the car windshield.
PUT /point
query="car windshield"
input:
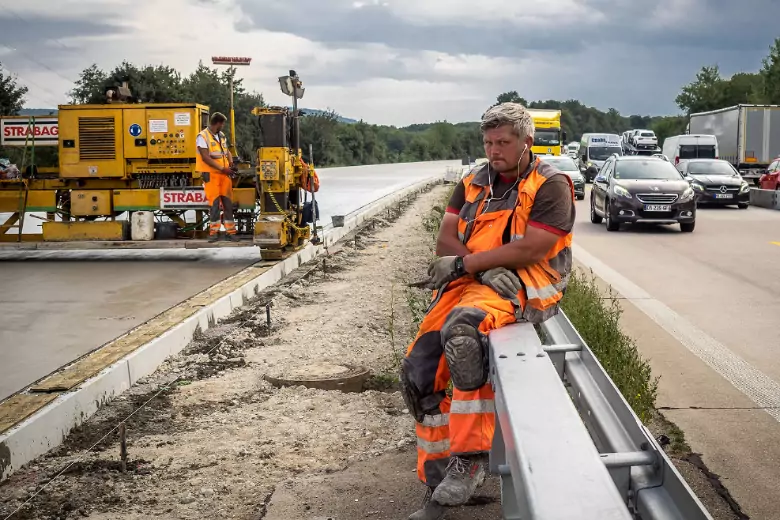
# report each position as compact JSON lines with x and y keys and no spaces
{"x":649,"y":169}
{"x":547,"y":138}
{"x":697,"y":151}
{"x":710,"y":168}
{"x":602,"y":153}
{"x":565,"y":164}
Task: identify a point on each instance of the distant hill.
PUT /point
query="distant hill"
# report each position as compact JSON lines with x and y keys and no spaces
{"x":316,"y":112}
{"x":38,"y":112}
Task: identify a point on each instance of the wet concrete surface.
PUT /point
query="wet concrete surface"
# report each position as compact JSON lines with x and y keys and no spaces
{"x":59,"y":305}
{"x":703,"y":309}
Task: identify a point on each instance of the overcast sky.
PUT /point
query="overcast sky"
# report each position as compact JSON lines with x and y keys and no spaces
{"x":401,"y":61}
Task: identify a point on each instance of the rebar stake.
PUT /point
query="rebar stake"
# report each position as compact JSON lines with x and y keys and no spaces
{"x":268,"y":315}
{"x":123,"y":446}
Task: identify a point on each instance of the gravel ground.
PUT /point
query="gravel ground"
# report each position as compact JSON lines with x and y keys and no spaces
{"x":215,"y":438}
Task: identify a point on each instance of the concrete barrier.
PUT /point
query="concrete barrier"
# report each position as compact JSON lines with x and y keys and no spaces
{"x":48,"y":427}
{"x":764,"y":198}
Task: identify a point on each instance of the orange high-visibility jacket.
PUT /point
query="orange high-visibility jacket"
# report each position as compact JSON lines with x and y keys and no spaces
{"x":218,"y":151}
{"x":483,"y":225}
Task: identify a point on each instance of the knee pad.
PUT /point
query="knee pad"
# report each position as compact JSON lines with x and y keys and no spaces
{"x":467,"y":357}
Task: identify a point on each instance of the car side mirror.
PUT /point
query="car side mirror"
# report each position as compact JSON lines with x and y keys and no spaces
{"x":600,"y":178}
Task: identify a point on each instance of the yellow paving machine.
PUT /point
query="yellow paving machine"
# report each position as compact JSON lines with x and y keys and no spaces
{"x":120,"y":158}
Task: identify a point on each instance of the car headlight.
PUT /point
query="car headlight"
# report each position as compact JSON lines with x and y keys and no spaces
{"x":745,"y":187}
{"x":620,"y":191}
{"x":686,"y":195}
{"x":590,"y":164}
{"x":696,"y":186}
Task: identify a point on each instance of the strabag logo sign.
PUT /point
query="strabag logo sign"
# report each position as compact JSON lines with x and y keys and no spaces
{"x":19,"y":131}
{"x":190,"y":197}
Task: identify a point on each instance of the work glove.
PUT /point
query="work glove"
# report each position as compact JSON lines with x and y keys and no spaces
{"x":445,"y":269}
{"x":503,"y":281}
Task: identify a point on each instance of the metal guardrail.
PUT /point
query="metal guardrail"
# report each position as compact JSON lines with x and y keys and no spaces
{"x":567,"y":444}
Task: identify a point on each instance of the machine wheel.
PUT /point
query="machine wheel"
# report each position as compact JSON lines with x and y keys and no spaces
{"x":743,"y":205}
{"x":611,"y":224}
{"x":687,"y":227}
{"x":593,"y":216}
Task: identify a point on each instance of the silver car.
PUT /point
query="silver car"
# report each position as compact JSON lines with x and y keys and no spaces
{"x":567,"y":165}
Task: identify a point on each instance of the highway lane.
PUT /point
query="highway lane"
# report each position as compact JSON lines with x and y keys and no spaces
{"x":705,"y":312}
{"x":58,"y":305}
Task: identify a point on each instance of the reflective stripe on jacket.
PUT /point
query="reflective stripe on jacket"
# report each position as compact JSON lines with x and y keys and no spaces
{"x":217,"y":150}
{"x":487,"y":224}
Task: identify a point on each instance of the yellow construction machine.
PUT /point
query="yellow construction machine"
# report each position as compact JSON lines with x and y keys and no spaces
{"x":120,"y":158}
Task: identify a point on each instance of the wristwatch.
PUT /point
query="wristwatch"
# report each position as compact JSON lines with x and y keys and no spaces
{"x":460,"y":268}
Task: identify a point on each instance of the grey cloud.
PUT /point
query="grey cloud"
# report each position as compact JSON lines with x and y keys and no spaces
{"x":37,"y":41}
{"x":710,"y":24}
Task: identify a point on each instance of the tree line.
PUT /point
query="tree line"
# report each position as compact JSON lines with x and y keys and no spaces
{"x":338,"y":143}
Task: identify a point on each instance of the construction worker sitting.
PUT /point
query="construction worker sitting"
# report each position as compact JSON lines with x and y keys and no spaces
{"x":215,"y":163}
{"x":504,"y":250}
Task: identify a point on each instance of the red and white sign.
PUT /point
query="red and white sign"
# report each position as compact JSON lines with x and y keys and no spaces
{"x":19,"y":131}
{"x":191,"y":197}
{"x":230,"y":60}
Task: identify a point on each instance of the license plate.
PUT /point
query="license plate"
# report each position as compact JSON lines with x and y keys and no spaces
{"x":657,"y":207}
{"x":723,"y":195}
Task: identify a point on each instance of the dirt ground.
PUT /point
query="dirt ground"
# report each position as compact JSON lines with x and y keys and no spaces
{"x":214,"y":439}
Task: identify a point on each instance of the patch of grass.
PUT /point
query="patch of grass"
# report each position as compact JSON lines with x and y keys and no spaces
{"x":597,"y":319}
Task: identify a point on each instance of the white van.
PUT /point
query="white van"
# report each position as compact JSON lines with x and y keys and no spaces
{"x":594,"y":150}
{"x":682,"y":148}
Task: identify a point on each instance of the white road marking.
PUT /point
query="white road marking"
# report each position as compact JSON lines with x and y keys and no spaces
{"x":760,"y":388}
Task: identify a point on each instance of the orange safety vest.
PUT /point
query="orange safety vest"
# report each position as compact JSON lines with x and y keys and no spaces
{"x":483,"y":225}
{"x":310,"y":181}
{"x":218,"y":151}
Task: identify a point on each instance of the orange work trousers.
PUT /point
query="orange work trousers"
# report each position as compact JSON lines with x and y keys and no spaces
{"x":463,"y":424}
{"x":219,"y":192}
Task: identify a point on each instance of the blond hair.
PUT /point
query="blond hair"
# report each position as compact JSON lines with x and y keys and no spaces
{"x":512,"y":114}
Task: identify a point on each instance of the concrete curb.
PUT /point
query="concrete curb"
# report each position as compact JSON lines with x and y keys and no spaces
{"x":49,"y":426}
{"x":764,"y":198}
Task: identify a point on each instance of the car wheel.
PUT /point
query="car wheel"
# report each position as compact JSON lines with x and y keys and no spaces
{"x":580,"y":197}
{"x":687,"y":227}
{"x":743,"y":205}
{"x":594,"y":218}
{"x":611,"y":224}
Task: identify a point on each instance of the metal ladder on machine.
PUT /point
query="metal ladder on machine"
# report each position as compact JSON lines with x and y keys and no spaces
{"x":580,"y":454}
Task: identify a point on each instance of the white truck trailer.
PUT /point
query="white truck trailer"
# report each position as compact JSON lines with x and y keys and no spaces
{"x":748,"y":135}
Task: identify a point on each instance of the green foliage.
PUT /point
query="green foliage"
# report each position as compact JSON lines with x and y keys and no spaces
{"x":162,"y":84}
{"x":770,"y":74}
{"x":11,"y":94}
{"x":711,"y":91}
{"x":598,"y":322}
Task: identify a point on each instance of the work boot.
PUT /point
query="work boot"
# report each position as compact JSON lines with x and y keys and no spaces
{"x":232,"y":238}
{"x":213,"y":238}
{"x":464,"y":476}
{"x":429,"y":510}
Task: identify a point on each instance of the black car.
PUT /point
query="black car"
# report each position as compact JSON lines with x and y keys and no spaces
{"x":716,"y":181}
{"x":636,"y":189}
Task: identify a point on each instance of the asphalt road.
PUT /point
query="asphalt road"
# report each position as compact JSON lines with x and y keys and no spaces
{"x":705,"y":313}
{"x":57,"y":306}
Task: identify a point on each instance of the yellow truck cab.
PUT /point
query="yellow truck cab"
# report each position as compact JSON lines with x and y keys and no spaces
{"x":549,"y":138}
